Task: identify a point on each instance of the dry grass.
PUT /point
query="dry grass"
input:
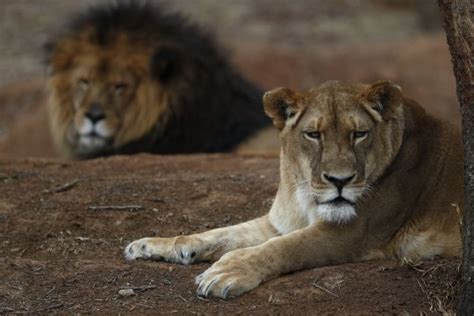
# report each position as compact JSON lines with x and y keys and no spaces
{"x":439,"y":281}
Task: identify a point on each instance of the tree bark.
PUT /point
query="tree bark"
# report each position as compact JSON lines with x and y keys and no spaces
{"x":458,"y":24}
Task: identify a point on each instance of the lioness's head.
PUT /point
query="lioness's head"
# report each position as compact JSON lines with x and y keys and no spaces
{"x":337,"y":140}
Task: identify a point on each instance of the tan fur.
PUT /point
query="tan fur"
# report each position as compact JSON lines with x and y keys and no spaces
{"x":365,"y":174}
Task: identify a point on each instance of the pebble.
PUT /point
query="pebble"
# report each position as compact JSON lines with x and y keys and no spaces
{"x":126,"y":292}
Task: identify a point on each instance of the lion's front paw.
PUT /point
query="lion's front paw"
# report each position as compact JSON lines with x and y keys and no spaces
{"x":229,"y":277}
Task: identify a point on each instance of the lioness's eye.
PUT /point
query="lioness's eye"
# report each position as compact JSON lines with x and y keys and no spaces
{"x":360,"y":134}
{"x":312,"y":135}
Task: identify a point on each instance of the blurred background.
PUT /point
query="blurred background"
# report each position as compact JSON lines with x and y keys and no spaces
{"x":297,"y":44}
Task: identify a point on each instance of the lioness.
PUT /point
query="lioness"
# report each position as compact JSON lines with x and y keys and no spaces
{"x":365,"y":173}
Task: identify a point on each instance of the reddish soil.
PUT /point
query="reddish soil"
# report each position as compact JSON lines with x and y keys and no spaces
{"x":57,"y":254}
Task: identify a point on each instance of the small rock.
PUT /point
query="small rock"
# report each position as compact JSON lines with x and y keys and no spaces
{"x":126,"y":292}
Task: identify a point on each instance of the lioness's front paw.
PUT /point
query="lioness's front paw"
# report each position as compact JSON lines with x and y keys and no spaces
{"x":142,"y":249}
{"x":229,"y":277}
{"x":182,"y":249}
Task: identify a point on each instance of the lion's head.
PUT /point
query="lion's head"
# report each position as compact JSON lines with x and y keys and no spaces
{"x":101,"y":99}
{"x":337,"y":140}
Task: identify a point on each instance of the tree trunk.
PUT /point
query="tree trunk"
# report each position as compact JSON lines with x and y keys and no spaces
{"x":458,"y":24}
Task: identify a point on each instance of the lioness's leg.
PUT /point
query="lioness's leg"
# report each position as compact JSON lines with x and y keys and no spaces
{"x":244,"y":269}
{"x":207,"y":246}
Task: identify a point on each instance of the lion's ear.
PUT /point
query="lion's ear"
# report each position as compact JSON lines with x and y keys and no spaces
{"x":383,"y":98}
{"x":59,"y":55}
{"x":163,"y":63}
{"x":280,"y":105}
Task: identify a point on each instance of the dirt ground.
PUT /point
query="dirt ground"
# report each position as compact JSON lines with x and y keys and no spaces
{"x":60,"y":253}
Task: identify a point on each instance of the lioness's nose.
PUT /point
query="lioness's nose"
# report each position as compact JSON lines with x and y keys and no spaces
{"x":95,"y":113}
{"x":339,"y":182}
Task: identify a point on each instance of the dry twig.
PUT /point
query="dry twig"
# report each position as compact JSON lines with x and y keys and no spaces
{"x":139,"y":288}
{"x":322,"y":288}
{"x":115,"y":207}
{"x":65,"y":187}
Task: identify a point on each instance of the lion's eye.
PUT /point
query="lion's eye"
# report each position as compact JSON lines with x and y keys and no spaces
{"x":120,"y":86}
{"x":360,"y":134}
{"x":312,"y":135}
{"x":83,"y":83}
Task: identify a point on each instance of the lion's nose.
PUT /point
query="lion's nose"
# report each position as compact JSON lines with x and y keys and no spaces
{"x":339,"y":182}
{"x":95,"y":113}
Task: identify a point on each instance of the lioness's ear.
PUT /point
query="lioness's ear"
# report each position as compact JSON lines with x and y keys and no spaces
{"x":383,"y":98}
{"x":280,"y":105}
{"x":163,"y":63}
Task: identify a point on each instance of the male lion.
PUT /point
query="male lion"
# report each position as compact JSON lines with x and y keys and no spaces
{"x":128,"y":78}
{"x":365,"y":173}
